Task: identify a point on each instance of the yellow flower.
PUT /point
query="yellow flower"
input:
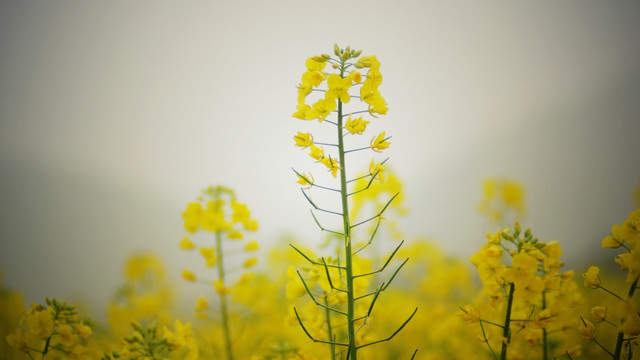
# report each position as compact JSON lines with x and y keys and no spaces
{"x":18,"y":341}
{"x":592,"y":277}
{"x":305,"y":180}
{"x":251,"y":246}
{"x":469,"y":314}
{"x":377,"y":104}
{"x":83,"y":330}
{"x":377,"y":170}
{"x":295,"y":288}
{"x":315,"y":63}
{"x":355,"y":76}
{"x":599,"y":313}
{"x":632,"y":225}
{"x":303,"y":140}
{"x":209,"y":255}
{"x":523,"y":270}
{"x":186,"y":244}
{"x":212,"y":219}
{"x":65,"y":336}
{"x":191,"y":216}
{"x":235,"y":235}
{"x":379,"y":142}
{"x":616,"y":239}
{"x":312,"y":78}
{"x":302,"y":110}
{"x":220,"y":287}
{"x":631,"y":325}
{"x":544,"y":318}
{"x":316,"y":152}
{"x":201,"y":304}
{"x":332,"y":165}
{"x":630,"y":261}
{"x":532,"y":335}
{"x":250,"y":262}
{"x":587,"y":329}
{"x":321,"y":109}
{"x":356,"y":126}
{"x":512,"y":194}
{"x":338,"y":88}
{"x":188,"y":275}
{"x":39,"y":324}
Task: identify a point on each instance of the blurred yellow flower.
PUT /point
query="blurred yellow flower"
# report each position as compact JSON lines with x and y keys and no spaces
{"x":188,"y":275}
{"x":592,"y":277}
{"x":220,"y":288}
{"x":186,"y":244}
{"x":250,"y":262}
{"x":251,"y":246}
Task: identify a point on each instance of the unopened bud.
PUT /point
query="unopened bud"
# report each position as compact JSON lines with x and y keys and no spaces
{"x":507,"y":236}
{"x":356,"y":53}
{"x":325,"y":56}
{"x":336,"y":50}
{"x":318,"y":59}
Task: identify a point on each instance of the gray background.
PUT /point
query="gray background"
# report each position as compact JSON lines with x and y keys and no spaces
{"x":114,"y":114}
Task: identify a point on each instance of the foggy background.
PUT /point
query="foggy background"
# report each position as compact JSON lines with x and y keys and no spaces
{"x":113,"y":115}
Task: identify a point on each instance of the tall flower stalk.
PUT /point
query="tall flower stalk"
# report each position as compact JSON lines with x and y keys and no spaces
{"x":333,"y":100}
{"x":228,"y":219}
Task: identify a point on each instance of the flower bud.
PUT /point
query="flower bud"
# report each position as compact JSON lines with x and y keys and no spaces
{"x":336,"y":50}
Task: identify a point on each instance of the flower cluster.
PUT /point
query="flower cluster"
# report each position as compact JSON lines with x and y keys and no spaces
{"x":150,"y":343}
{"x":217,"y":211}
{"x":50,"y":331}
{"x":528,"y":299}
{"x":624,"y":317}
{"x":502,"y":198}
{"x":336,"y":87}
{"x":144,"y":297}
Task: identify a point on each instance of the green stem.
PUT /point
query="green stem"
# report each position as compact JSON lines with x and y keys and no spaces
{"x":46,"y":345}
{"x":506,"y":333}
{"x":620,"y":338}
{"x":223,"y":298}
{"x":329,"y":328}
{"x":351,"y":331}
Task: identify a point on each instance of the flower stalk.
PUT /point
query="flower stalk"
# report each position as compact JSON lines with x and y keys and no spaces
{"x":224,"y":312}
{"x":351,"y":274}
{"x":506,"y":331}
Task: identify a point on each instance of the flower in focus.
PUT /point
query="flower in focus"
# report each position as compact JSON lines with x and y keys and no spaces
{"x":379,"y":142}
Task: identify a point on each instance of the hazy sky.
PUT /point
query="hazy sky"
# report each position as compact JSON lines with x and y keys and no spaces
{"x":114,"y":114}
